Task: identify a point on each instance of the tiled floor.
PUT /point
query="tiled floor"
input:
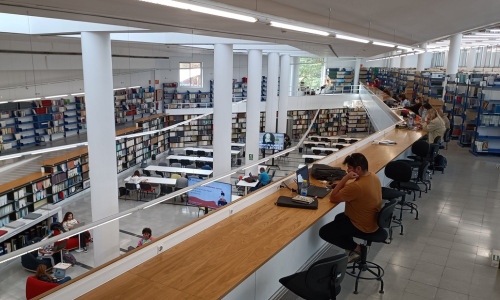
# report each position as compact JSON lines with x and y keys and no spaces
{"x":446,"y":253}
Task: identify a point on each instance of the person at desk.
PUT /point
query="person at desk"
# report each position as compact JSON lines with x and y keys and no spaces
{"x":445,"y":119}
{"x":136,"y":179}
{"x":403,"y":101}
{"x":146,"y":237}
{"x":46,"y":252}
{"x":376,"y":83}
{"x":263,"y":178}
{"x":434,"y":126}
{"x":422,"y":111}
{"x":41,"y":274}
{"x":388,"y":92}
{"x":363,"y":202}
{"x":416,"y":107}
{"x":68,"y":223}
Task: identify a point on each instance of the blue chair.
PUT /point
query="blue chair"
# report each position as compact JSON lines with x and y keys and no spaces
{"x":205,"y":167}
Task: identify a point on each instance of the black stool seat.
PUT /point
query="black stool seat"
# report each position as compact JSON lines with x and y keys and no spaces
{"x":405,"y":186}
{"x":378,"y":236}
{"x":389,"y":194}
{"x":412,"y":163}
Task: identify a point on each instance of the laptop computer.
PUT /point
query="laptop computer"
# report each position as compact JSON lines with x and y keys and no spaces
{"x":312,"y":191}
{"x":60,"y":246}
{"x":78,"y":225}
{"x":59,"y":273}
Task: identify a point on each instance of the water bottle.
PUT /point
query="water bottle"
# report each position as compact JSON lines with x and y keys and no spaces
{"x":303,"y":188}
{"x":410,"y":123}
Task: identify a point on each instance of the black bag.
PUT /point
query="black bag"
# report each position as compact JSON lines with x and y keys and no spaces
{"x":440,"y":163}
{"x":57,"y":226}
{"x":325,"y":172}
{"x":288,"y":202}
{"x":122,"y":191}
{"x":69,"y":258}
{"x":153,"y":157}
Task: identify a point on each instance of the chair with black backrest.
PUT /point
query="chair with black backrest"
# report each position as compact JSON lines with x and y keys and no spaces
{"x":132,"y":187}
{"x":422,"y":176}
{"x":147,"y":188}
{"x":328,"y":152}
{"x":210,"y":164}
{"x":317,"y":152}
{"x":176,"y":165}
{"x":447,"y":139}
{"x":326,"y":140}
{"x":340,"y":140}
{"x":322,"y":280}
{"x":199,"y":164}
{"x":431,"y":158}
{"x":163,"y":164}
{"x":272,"y":176}
{"x":185,"y":162}
{"x":353,"y":141}
{"x":146,"y":172}
{"x":191,"y":166}
{"x":384,"y":221}
{"x":314,"y":139}
{"x":189,"y":152}
{"x":173,"y":161}
{"x":421,"y":150}
{"x":201,"y":153}
{"x":160,"y":173}
{"x":309,"y":160}
{"x":308,"y":146}
{"x":339,"y":146}
{"x":400,"y":173}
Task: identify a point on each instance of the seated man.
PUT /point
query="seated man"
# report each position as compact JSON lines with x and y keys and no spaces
{"x":363,"y":202}
{"x":263,"y":178}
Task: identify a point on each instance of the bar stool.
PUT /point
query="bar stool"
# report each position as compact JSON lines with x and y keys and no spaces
{"x":400,"y":172}
{"x":379,"y":236}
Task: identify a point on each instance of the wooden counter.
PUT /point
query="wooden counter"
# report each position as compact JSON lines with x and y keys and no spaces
{"x":21,"y":181}
{"x":212,"y":263}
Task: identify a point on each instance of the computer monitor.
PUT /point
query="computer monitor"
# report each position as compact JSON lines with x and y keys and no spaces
{"x":271,"y":141}
{"x":302,"y":173}
{"x":213,"y":195}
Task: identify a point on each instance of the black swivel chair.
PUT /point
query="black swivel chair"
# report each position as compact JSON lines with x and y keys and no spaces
{"x":185,"y":162}
{"x":339,"y":146}
{"x":325,"y":140}
{"x":147,"y":173}
{"x":173,"y":161}
{"x":160,"y":173}
{"x":199,"y":164}
{"x":272,"y":176}
{"x":314,"y":139}
{"x":132,"y":187}
{"x":189,"y":152}
{"x":317,"y":151}
{"x":308,"y":146}
{"x":400,"y":172}
{"x":379,"y":236}
{"x":201,"y":153}
{"x":210,"y":164}
{"x":322,"y":280}
{"x":328,"y":152}
{"x":352,"y":141}
{"x":421,"y":150}
{"x":340,"y":140}
{"x":309,"y":160}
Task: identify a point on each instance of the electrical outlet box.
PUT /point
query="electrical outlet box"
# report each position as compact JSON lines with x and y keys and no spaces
{"x":159,"y":249}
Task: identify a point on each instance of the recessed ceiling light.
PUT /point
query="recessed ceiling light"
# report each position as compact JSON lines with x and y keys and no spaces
{"x":55,"y":96}
{"x":202,"y":9}
{"x":405,"y":48}
{"x":383,"y":44}
{"x":299,"y":28}
{"x":77,"y":94}
{"x":350,"y":38}
{"x":28,"y":99}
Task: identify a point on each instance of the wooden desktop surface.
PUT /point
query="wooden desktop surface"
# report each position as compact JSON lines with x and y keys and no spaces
{"x":21,"y":181}
{"x":212,"y":263}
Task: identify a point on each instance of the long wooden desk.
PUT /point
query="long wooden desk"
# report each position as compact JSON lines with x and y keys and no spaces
{"x":212,"y":263}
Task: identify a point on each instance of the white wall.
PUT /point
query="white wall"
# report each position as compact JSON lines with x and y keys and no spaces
{"x":347,"y":63}
{"x":411,"y":61}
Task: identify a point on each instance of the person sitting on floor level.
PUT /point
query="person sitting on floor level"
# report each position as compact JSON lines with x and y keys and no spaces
{"x":363,"y":202}
{"x":146,"y":237}
{"x":41,"y":274}
{"x":68,"y":224}
{"x":263,"y":178}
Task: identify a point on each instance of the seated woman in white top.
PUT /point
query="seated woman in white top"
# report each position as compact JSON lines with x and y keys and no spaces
{"x":68,"y":223}
{"x":136,"y":178}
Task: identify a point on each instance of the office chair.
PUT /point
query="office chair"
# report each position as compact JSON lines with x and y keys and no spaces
{"x":340,"y":140}
{"x":379,"y":236}
{"x":309,"y":160}
{"x":159,"y":173}
{"x":210,"y":164}
{"x":191,"y":166}
{"x":132,"y":187}
{"x":431,"y":158}
{"x":146,"y":172}
{"x":176,"y":165}
{"x":314,"y":139}
{"x":147,"y":188}
{"x":201,"y":153}
{"x":353,"y":141}
{"x":173,"y":161}
{"x":189,"y":152}
{"x":447,"y":139}
{"x":339,"y":146}
{"x":325,"y":140}
{"x":272,"y":176}
{"x":423,"y":171}
{"x":175,"y":176}
{"x":308,"y":146}
{"x":322,"y":280}
{"x":163,"y":164}
{"x":185,"y":162}
{"x":421,"y":150}
{"x":316,"y":152}
{"x":328,"y":152}
{"x":181,"y":183}
{"x":199,"y":164}
{"x":400,"y":172}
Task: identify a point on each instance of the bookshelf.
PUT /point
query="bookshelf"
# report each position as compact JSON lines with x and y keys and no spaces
{"x":363,"y":75}
{"x":339,"y":79}
{"x":133,"y":102}
{"x":486,"y":138}
{"x":239,"y":90}
{"x":263,"y":121}
{"x":239,"y":128}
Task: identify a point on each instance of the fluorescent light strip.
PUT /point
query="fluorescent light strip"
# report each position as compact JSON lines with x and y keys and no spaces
{"x":250,"y":166}
{"x":16,"y":256}
{"x":56,"y":96}
{"x":384,"y":44}
{"x":28,"y":99}
{"x":299,"y":28}
{"x":202,"y":9}
{"x":134,"y":87}
{"x":405,"y":48}
{"x":77,"y":94}
{"x":119,"y":89}
{"x":350,"y":38}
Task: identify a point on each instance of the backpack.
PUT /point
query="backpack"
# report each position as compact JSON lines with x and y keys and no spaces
{"x":325,"y":172}
{"x":57,"y":226}
{"x":122,"y":191}
{"x":69,"y":258}
{"x":440,"y":162}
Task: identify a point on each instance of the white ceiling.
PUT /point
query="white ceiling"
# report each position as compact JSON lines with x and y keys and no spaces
{"x":405,"y":22}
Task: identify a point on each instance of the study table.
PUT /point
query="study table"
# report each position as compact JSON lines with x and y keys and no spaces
{"x":155,"y":180}
{"x":325,"y":149}
{"x":212,"y":263}
{"x":191,"y":158}
{"x":247,"y":185}
{"x":180,"y":170}
{"x":333,"y":137}
{"x":195,"y":150}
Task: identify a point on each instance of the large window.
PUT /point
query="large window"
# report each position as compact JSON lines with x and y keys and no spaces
{"x":437,"y":60}
{"x":464,"y":54}
{"x":190,"y":75}
{"x":311,"y":71}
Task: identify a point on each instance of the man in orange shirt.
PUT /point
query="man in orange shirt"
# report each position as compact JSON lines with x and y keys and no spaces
{"x":363,"y":202}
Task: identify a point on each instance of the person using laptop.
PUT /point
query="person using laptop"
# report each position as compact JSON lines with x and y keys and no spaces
{"x":363,"y":202}
{"x":263,"y":178}
{"x":69,"y":223}
{"x":46,"y":251}
{"x":41,"y":274}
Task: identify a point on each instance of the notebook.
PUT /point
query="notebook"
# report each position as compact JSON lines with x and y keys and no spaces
{"x":32,"y":216}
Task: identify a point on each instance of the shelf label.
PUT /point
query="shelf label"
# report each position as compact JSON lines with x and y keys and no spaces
{"x":250,"y":156}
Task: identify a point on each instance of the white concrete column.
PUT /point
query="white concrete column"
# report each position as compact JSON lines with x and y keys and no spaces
{"x":356,"y":71}
{"x":295,"y":75}
{"x":223,"y":97}
{"x":98,"y":83}
{"x":421,"y":58}
{"x":273,"y":65}
{"x":403,"y":60}
{"x":393,"y":60}
{"x":454,"y":55}
{"x":284,"y":88}
{"x":471,"y":59}
{"x":253,"y":109}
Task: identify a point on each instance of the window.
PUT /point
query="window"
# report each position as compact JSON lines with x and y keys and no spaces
{"x":464,"y":54}
{"x":437,"y":59}
{"x":311,"y":71}
{"x":190,"y":75}
{"x":479,"y":57}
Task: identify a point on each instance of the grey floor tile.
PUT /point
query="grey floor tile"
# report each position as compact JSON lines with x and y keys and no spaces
{"x":444,"y":294}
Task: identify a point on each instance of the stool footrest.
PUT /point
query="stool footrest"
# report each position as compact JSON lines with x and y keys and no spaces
{"x":366,"y":267}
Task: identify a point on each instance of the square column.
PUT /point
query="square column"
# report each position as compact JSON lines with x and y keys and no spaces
{"x":283,"y":97}
{"x":273,"y":65}
{"x":253,"y":109}
{"x":98,"y":83}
